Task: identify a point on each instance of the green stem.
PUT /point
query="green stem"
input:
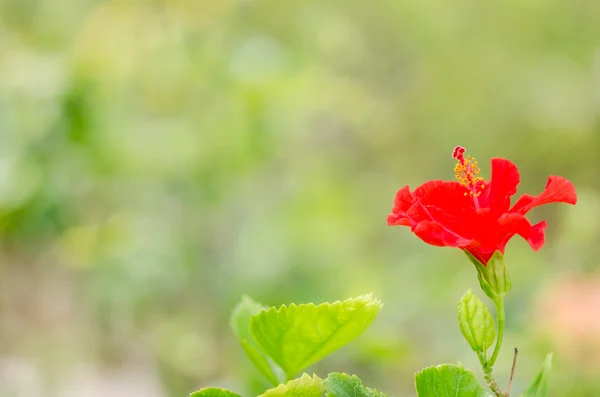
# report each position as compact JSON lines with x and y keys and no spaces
{"x":494,"y":385}
{"x":487,"y":367}
{"x":500,"y":313}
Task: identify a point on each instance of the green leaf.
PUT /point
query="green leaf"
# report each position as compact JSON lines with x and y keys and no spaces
{"x":476,"y":323}
{"x":305,"y":386}
{"x":343,"y":385}
{"x":300,"y":335}
{"x":493,"y":277}
{"x":214,"y":392}
{"x":447,"y":380}
{"x":539,"y":387}
{"x":240,"y":324}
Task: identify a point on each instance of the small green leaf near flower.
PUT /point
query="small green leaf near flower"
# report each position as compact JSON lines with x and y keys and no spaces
{"x":447,"y":380}
{"x":214,"y":392}
{"x":305,"y":386}
{"x":344,"y":385}
{"x":240,"y":324}
{"x":297,"y":336}
{"x":476,"y":323}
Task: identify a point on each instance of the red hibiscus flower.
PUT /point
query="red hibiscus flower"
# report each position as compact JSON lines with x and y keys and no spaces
{"x":473,"y":214}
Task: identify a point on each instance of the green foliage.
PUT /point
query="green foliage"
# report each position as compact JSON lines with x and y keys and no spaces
{"x":336,"y":385}
{"x":305,"y":386}
{"x":171,"y":154}
{"x":343,"y":385}
{"x":447,"y":380}
{"x":297,"y":336}
{"x":476,"y":323}
{"x":539,"y":387}
{"x":493,"y":277}
{"x":214,"y":392}
{"x":240,"y":324}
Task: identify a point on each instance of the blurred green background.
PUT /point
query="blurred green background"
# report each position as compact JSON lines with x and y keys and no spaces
{"x":158,"y":159}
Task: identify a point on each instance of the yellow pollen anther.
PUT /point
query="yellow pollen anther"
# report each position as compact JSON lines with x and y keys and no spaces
{"x":466,"y":172}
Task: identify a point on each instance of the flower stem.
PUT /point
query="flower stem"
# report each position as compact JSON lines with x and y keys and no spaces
{"x":493,"y":385}
{"x":487,"y":365}
{"x":500,"y":313}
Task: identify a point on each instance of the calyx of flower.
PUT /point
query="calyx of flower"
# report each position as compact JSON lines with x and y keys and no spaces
{"x":493,"y":277}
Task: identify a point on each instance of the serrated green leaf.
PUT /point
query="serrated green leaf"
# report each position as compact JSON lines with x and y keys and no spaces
{"x":297,"y":336}
{"x":539,"y":387}
{"x":476,"y":322}
{"x":344,"y":385}
{"x":447,"y":380}
{"x":240,"y":324}
{"x":305,"y":386}
{"x":214,"y":392}
{"x":240,"y":317}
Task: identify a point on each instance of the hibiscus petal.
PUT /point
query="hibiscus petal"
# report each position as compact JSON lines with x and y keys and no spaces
{"x":448,"y":196}
{"x":417,"y":214}
{"x":460,"y":224}
{"x":513,"y":223}
{"x":481,"y":255}
{"x":536,"y":235}
{"x":433,"y":233}
{"x":558,"y":190}
{"x":502,"y":185}
{"x":402,"y":202}
{"x":397,"y":220}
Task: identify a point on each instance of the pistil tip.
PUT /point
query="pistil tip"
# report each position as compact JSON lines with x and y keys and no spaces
{"x":458,"y":152}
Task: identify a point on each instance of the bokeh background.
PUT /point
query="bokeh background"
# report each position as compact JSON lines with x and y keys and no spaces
{"x":158,"y":159}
